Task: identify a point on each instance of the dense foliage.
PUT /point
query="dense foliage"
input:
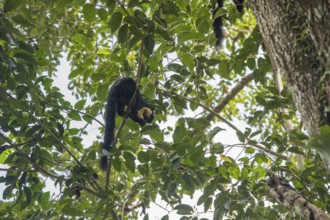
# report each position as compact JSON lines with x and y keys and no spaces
{"x":190,"y":147}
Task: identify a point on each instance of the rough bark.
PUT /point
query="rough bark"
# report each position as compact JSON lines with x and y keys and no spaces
{"x":317,"y":18}
{"x":285,"y":194}
{"x":296,"y":35}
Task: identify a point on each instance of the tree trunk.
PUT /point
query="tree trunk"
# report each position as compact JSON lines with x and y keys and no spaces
{"x":296,"y":35}
{"x":297,"y":38}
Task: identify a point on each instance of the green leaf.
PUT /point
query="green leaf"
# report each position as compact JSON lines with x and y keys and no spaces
{"x":224,"y":69}
{"x":165,"y":217}
{"x":149,"y":43}
{"x":4,"y":155}
{"x":184,"y":209}
{"x":103,"y":51}
{"x":74,"y":73}
{"x":129,"y":161}
{"x":295,"y":150}
{"x":153,"y":63}
{"x":181,"y":148}
{"x":209,"y":189}
{"x":28,"y":194}
{"x":78,"y":38}
{"x":35,"y":98}
{"x":190,"y":36}
{"x":144,"y":169}
{"x":133,"y":27}
{"x":219,"y":213}
{"x":298,"y":135}
{"x":10,"y":5}
{"x":179,"y":104}
{"x":102,"y":92}
{"x":115,"y":21}
{"x":321,"y":142}
{"x":117,"y":164}
{"x":217,"y":148}
{"x":255,"y":133}
{"x":201,"y":199}
{"x":200,"y":24}
{"x":176,"y":68}
{"x":144,"y":157}
{"x":171,"y":189}
{"x":188,"y":61}
{"x":22,"y":180}
{"x":220,"y":12}
{"x":44,"y":153}
{"x":164,"y":34}
{"x":123,"y":34}
{"x":179,"y":134}
{"x":44,"y":199}
{"x":188,"y":182}
{"x":103,"y":14}
{"x":264,"y":65}
{"x":7,"y":192}
{"x":74,"y":115}
{"x":208,"y":203}
{"x":213,"y":132}
{"x":197,"y":154}
{"x":28,"y":58}
{"x":100,"y":75}
{"x":234,"y":171}
{"x":141,"y":20}
{"x":80,"y":104}
{"x":71,"y":211}
{"x":249,"y":150}
{"x":92,"y":155}
{"x":170,"y":8}
{"x":89,"y":12}
{"x":261,"y":100}
{"x":251,"y":63}
{"x":19,"y":19}
{"x":240,"y":136}
{"x":60,"y":128}
{"x":154,"y":131}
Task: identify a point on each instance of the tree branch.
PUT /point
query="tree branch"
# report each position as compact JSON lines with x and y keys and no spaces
{"x":231,"y":95}
{"x":289,"y":197}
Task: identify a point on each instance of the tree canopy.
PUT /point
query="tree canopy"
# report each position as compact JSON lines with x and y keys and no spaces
{"x":227,"y":127}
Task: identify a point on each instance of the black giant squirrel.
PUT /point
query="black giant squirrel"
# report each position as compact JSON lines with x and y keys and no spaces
{"x":218,"y":23}
{"x":119,"y":97}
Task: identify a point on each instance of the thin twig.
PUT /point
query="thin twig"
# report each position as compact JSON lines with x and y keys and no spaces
{"x":35,"y":165}
{"x":62,"y":145}
{"x":17,"y":170}
{"x":29,"y":160}
{"x":114,"y":215}
{"x":228,"y":123}
{"x":100,"y":195}
{"x":74,"y":110}
{"x":56,"y":138}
